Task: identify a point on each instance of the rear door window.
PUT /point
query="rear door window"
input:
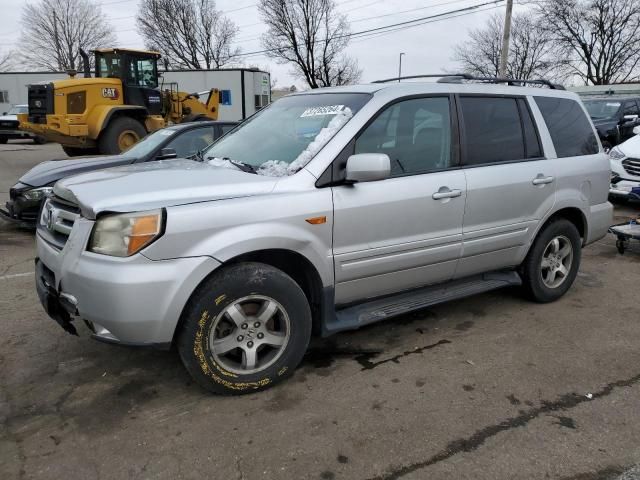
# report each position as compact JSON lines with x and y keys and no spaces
{"x":492,"y":130}
{"x":192,"y":141}
{"x":569,"y":127}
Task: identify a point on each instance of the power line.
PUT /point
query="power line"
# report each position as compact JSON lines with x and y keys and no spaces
{"x":406,"y":24}
{"x":255,"y":37}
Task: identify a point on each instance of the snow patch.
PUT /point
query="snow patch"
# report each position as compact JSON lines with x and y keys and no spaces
{"x":221,"y":163}
{"x":278,"y":168}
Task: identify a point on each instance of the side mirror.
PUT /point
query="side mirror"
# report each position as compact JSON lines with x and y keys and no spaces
{"x":636,"y":130}
{"x":368,"y":167}
{"x":166,"y":153}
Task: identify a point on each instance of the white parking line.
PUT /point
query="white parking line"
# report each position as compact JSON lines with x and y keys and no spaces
{"x":16,"y":275}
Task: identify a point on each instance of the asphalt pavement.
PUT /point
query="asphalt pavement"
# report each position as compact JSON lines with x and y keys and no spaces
{"x":490,"y":387}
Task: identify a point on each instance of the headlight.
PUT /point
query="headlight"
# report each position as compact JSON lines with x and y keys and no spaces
{"x":122,"y":235}
{"x":616,"y":154}
{"x":37,"y":193}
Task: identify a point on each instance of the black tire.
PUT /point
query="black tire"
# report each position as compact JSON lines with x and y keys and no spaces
{"x":3,"y":140}
{"x":206,"y":308}
{"x":532,"y":270}
{"x":78,"y":152}
{"x":112,"y":138}
{"x":38,"y":140}
{"x":195,"y":118}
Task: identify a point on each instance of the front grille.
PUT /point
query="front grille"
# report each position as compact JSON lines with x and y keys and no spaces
{"x":632,"y":166}
{"x":40,"y":102}
{"x":12,"y":124}
{"x":57,"y":219}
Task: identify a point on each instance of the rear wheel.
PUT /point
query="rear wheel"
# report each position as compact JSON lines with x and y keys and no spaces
{"x":553,"y":261}
{"x":38,"y":140}
{"x":79,"y":152}
{"x":121,"y":134}
{"x":3,"y":140}
{"x":245,"y":328}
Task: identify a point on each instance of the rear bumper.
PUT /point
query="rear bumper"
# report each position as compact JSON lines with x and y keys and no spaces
{"x":57,"y":129}
{"x":600,"y":219}
{"x":130,"y":301}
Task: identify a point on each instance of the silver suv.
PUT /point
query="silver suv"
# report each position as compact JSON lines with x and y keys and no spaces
{"x":326,"y":211}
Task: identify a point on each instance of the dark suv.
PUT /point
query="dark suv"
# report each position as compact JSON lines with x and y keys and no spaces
{"x":177,"y":141}
{"x":614,"y":117}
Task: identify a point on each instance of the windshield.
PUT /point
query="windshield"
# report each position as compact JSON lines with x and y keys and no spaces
{"x":284,"y":137}
{"x":18,"y":109}
{"x":602,"y":108}
{"x":149,"y":143}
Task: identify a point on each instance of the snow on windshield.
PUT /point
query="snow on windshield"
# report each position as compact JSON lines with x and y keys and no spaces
{"x":278,"y":168}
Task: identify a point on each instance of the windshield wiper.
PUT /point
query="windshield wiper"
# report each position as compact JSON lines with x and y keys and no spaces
{"x":245,"y":167}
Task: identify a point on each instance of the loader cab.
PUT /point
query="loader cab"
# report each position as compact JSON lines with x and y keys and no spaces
{"x":138,"y":71}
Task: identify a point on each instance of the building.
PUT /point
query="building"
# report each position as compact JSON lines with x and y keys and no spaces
{"x":243,"y":91}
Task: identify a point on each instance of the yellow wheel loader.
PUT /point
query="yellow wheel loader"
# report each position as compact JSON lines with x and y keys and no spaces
{"x":110,"y":112}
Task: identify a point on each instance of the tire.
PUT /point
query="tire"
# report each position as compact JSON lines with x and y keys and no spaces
{"x":3,"y":140}
{"x":244,"y":290}
{"x":38,"y":140}
{"x":77,"y":151}
{"x":195,"y":118}
{"x":536,"y":277}
{"x":121,"y":134}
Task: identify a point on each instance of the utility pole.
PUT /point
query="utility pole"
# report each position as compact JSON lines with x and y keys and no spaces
{"x":506,"y":34}
{"x":400,"y":67}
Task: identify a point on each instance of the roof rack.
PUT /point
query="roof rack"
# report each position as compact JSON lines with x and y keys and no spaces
{"x":459,"y":77}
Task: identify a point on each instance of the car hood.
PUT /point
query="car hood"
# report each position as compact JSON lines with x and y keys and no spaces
{"x":163,"y":183}
{"x":631,"y":148}
{"x":51,"y":171}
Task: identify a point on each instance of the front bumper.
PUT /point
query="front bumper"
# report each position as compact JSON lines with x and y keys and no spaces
{"x":625,"y":189}
{"x":21,"y":211}
{"x":130,"y":301}
{"x":12,"y":134}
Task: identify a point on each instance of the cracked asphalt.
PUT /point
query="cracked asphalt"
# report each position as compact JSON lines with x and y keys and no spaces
{"x":491,"y":387}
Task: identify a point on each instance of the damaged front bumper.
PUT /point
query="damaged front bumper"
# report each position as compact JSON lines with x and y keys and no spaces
{"x":128,"y":301}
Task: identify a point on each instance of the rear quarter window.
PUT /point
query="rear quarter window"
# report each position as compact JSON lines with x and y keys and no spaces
{"x":569,"y":127}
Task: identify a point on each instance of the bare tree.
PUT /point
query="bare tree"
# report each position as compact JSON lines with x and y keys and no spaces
{"x":529,"y":51}
{"x":6,"y":61}
{"x":53,"y":32}
{"x":190,"y":34}
{"x":598,"y":40}
{"x":311,"y":35}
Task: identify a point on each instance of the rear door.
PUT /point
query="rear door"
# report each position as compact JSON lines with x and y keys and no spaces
{"x":510,"y":185}
{"x":406,"y":231}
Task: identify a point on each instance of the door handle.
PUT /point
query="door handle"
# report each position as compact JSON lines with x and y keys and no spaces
{"x":542,"y":180}
{"x":445,"y":192}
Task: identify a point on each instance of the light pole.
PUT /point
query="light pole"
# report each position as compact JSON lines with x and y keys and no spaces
{"x":400,"y":67}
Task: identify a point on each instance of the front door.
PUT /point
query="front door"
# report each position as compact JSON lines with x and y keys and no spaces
{"x":510,"y":185}
{"x":406,"y":231}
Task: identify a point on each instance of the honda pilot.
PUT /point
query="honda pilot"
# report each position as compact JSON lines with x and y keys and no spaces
{"x":326,"y":211}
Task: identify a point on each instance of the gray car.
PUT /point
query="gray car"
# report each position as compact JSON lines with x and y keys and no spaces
{"x":324,"y":212}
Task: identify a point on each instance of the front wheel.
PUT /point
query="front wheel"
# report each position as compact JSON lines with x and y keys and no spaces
{"x":120,"y":135}
{"x":244,"y":329}
{"x":553,"y":261}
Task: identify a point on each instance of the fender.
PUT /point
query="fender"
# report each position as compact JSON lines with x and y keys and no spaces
{"x":100,"y":116}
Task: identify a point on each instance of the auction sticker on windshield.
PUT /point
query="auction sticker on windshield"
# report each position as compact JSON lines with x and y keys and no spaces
{"x":326,"y":110}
